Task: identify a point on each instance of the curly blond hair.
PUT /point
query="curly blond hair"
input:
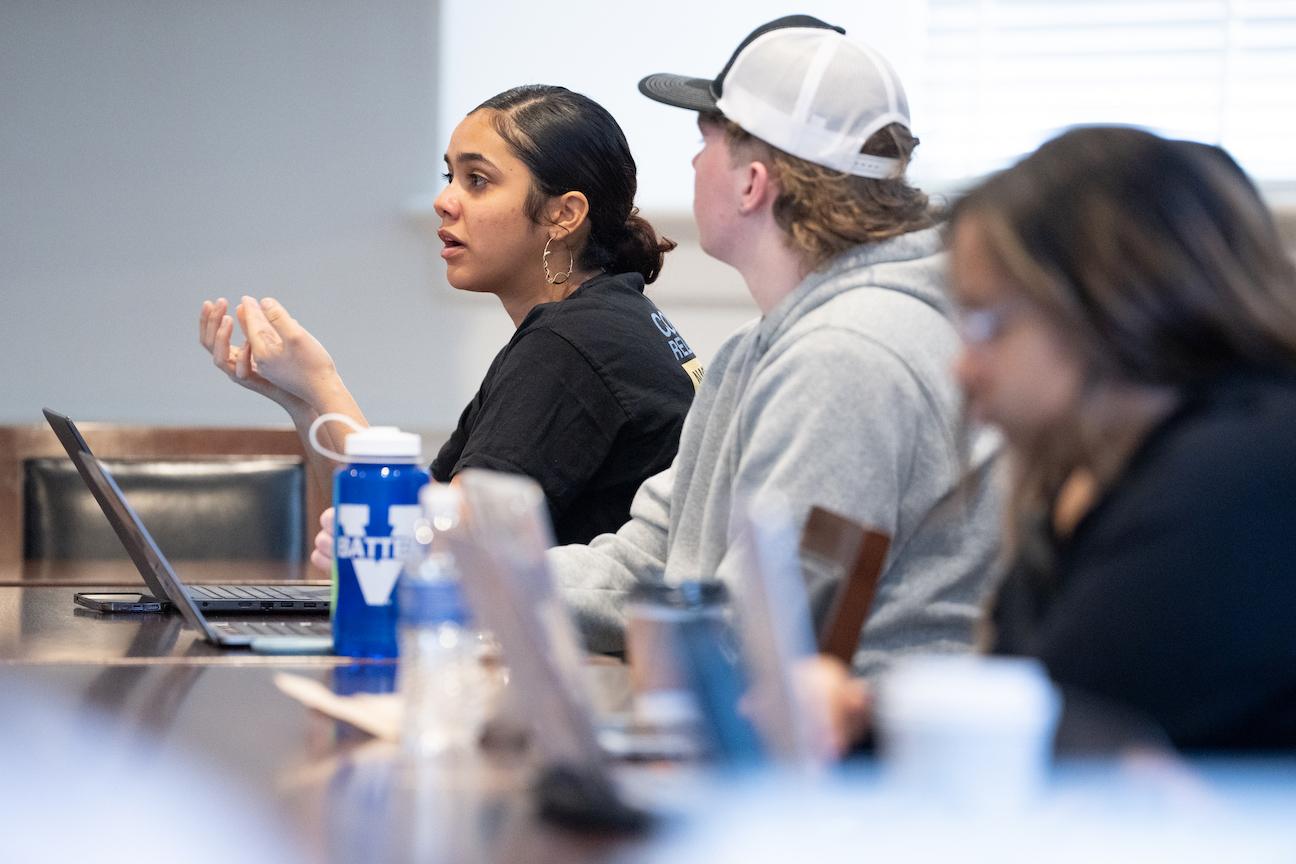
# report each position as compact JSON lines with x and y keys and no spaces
{"x":825,"y":212}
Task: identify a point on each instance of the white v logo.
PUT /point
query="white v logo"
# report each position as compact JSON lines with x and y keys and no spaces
{"x":377,"y":578}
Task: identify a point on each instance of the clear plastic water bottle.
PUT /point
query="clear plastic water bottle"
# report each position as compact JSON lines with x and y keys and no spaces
{"x":376,"y":505}
{"x":440,"y":669}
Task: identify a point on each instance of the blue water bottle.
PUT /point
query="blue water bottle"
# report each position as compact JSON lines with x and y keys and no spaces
{"x":376,"y":511}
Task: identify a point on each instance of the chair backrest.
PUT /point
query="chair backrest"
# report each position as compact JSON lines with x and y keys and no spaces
{"x":204,"y":492}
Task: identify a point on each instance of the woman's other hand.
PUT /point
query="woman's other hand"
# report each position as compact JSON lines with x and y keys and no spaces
{"x":322,"y":554}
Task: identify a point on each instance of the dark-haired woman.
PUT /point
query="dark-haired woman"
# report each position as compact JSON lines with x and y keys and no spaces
{"x":589,"y":394}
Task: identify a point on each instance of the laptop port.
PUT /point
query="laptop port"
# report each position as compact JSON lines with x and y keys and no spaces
{"x":285,"y":604}
{"x":309,"y":605}
{"x":246,"y":604}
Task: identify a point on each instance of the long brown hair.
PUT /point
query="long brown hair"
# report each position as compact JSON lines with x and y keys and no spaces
{"x":1159,"y":264}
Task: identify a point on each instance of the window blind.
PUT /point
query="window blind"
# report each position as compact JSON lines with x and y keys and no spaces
{"x":1001,"y":76}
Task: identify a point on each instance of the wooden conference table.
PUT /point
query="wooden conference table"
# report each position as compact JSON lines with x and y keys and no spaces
{"x":339,"y":796}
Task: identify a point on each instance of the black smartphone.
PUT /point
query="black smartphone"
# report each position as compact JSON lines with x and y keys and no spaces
{"x":119,"y":602}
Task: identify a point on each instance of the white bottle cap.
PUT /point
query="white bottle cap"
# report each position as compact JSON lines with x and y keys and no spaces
{"x":384,"y":442}
{"x":372,"y":444}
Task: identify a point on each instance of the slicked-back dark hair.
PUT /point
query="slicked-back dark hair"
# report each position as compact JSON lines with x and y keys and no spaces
{"x":570,"y":143}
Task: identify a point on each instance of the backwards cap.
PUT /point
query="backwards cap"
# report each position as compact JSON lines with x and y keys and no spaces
{"x":799,"y":84}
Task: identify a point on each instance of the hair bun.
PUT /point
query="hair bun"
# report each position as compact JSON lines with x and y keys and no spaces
{"x":640,"y":250}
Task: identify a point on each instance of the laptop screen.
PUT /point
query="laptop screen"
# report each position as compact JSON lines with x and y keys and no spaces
{"x":139,"y":543}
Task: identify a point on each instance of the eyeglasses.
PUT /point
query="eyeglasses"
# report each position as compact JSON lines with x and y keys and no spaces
{"x":984,"y":324}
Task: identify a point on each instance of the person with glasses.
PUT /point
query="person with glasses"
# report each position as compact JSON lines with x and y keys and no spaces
{"x":1129,"y":323}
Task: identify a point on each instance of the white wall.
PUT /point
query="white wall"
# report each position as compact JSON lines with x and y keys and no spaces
{"x":153,"y":154}
{"x":602,"y":49}
{"x":156,"y":153}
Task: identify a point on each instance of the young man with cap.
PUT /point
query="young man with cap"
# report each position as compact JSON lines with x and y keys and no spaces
{"x":840,"y":395}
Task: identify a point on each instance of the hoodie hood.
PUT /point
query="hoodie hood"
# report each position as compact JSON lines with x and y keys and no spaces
{"x":912,"y":264}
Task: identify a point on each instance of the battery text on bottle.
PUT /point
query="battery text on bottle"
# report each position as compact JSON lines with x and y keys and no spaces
{"x":377,"y":560}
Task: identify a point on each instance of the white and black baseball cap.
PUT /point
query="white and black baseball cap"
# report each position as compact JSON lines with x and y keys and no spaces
{"x":799,"y":84}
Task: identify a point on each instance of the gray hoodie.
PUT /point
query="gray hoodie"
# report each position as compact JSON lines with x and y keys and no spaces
{"x":840,"y":397}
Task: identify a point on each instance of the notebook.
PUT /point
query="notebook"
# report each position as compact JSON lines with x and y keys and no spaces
{"x":279,"y":635}
{"x":243,"y":599}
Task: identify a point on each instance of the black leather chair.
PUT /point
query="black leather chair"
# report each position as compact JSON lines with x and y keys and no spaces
{"x":232,"y":508}
{"x":205,"y":493}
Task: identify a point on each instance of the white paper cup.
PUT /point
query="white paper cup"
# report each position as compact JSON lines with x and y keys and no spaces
{"x":966,"y":731}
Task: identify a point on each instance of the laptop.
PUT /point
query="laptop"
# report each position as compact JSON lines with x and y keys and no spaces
{"x":278,"y":635}
{"x":501,"y":541}
{"x":773,"y":616}
{"x":243,"y":599}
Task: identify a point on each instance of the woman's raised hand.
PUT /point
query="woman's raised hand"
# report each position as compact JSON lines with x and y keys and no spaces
{"x":215,"y":330}
{"x":286,"y":354}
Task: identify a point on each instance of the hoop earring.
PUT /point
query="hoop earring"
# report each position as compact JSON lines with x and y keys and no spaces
{"x":556,"y":278}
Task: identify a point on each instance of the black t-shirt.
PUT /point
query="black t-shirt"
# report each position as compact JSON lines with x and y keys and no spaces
{"x":1176,"y":593}
{"x":587,"y":398}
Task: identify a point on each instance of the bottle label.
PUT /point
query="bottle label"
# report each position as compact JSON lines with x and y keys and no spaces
{"x":377,"y":559}
{"x":424,"y":602}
